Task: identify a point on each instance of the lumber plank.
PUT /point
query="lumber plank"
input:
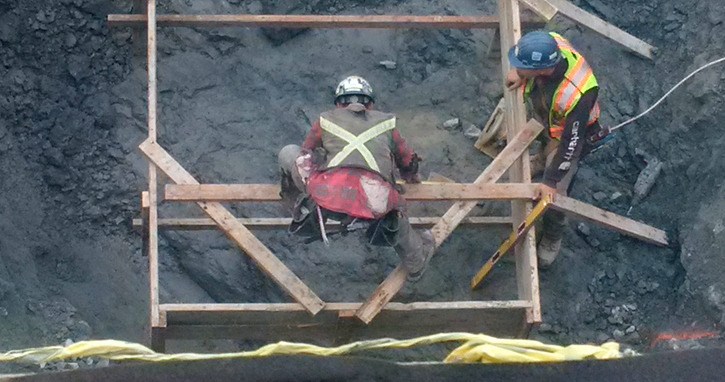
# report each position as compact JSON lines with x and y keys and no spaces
{"x":543,"y":8}
{"x":319,"y":21}
{"x":272,"y":322}
{"x":527,"y":276}
{"x":517,"y":146}
{"x":618,"y":223}
{"x":604,"y":28}
{"x":143,"y":223}
{"x":417,"y":192}
{"x":277,"y":223}
{"x":152,"y":91}
{"x":264,"y":258}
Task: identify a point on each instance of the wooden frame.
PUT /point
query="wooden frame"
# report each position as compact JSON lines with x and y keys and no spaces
{"x":319,"y":21}
{"x":310,"y":317}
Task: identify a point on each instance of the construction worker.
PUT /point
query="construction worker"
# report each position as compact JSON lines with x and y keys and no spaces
{"x":345,"y":171}
{"x":562,"y":91}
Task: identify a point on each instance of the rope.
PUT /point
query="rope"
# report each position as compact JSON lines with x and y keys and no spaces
{"x":477,"y":348}
{"x":627,"y":122}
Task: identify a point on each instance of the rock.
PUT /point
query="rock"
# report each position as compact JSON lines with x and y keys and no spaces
{"x":646,"y":179}
{"x":602,"y":338}
{"x":79,"y":67}
{"x":546,"y":328}
{"x":618,"y":334}
{"x":615,"y":320}
{"x":593,"y":241}
{"x":3,"y":312}
{"x":103,"y":363}
{"x":634,"y":337}
{"x":67,"y":342}
{"x":390,"y":65}
{"x":70,"y":40}
{"x":452,"y":124}
{"x":472,"y":132}
{"x":625,"y":107}
{"x":599,"y":196}
{"x":615,"y":196}
{"x":671,"y":26}
{"x":631,"y":329}
{"x":367,"y":49}
{"x":583,"y":229}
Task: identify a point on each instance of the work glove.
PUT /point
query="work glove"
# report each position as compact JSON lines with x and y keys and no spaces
{"x":410,"y":173}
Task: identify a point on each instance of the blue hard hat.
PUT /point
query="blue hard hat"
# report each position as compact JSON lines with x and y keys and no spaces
{"x":535,"y":50}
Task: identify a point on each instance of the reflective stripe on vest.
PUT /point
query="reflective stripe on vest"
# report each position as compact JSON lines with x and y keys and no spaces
{"x":578,"y":79}
{"x":356,"y":143}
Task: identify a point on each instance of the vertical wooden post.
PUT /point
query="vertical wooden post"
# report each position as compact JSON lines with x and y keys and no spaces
{"x":526,"y":266}
{"x":145,"y":223}
{"x":153,"y":240}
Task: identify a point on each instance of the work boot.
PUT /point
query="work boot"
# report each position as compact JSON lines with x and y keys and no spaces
{"x":424,"y":253}
{"x":547,"y":251}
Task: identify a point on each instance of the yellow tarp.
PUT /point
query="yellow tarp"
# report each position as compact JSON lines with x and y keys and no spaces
{"x":477,"y":348}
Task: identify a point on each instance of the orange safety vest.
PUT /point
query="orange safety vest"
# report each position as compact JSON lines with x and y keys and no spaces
{"x":578,"y":79}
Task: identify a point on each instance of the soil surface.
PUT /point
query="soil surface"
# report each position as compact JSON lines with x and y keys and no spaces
{"x":73,"y":111}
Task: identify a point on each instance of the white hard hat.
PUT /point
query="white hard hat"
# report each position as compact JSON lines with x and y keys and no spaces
{"x":354,"y":85}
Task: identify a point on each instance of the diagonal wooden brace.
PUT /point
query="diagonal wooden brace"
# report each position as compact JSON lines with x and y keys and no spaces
{"x":597,"y":25}
{"x":450,"y":220}
{"x":606,"y":219}
{"x":237,"y":232}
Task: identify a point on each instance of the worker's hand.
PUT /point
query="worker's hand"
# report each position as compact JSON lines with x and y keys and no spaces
{"x":545,"y":191}
{"x":513,"y":81}
{"x":411,"y":178}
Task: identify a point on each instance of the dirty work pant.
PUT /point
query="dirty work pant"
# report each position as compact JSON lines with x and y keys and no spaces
{"x":411,"y":247}
{"x":555,"y":221}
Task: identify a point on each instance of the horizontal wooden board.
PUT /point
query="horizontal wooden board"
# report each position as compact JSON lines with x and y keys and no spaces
{"x":277,"y":223}
{"x":291,"y":322}
{"x":319,"y":21}
{"x":413,"y":192}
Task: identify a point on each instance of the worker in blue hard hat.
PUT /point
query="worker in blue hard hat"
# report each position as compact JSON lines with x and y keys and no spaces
{"x":561,"y":89}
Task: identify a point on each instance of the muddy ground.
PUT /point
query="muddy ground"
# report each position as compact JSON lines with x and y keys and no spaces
{"x":72,"y":113}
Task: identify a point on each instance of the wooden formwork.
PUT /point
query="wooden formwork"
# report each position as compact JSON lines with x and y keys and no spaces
{"x":310,"y":317}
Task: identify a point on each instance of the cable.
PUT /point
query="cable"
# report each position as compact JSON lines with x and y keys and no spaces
{"x":627,"y":122}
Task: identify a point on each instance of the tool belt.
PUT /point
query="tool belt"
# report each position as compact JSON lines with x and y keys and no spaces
{"x":308,"y":221}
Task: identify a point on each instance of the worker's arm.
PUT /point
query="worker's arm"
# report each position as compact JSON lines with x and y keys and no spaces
{"x":405,"y":158}
{"x":313,"y":139}
{"x":572,"y":139}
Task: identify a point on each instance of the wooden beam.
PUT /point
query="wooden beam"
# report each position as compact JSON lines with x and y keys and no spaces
{"x":277,"y":223}
{"x":264,"y":258}
{"x":417,"y":192}
{"x":318,"y":21}
{"x":604,"y":28}
{"x":527,"y":276}
{"x":517,"y":146}
{"x":621,"y":224}
{"x":143,"y":223}
{"x":493,"y":131}
{"x":543,"y":8}
{"x":271,"y":322}
{"x":152,"y":91}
